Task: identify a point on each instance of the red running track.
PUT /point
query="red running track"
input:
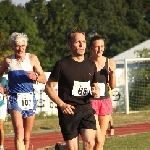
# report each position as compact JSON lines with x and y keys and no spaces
{"x":49,"y":139}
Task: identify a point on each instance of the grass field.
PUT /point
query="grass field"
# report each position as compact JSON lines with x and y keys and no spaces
{"x":43,"y":122}
{"x":129,"y":142}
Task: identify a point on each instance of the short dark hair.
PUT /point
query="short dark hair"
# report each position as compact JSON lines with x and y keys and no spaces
{"x":96,"y":37}
{"x":70,"y":34}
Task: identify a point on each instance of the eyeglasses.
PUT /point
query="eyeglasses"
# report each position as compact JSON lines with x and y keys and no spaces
{"x":20,"y":46}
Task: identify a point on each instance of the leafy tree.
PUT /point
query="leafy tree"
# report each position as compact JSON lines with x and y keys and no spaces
{"x":15,"y":19}
{"x":54,"y":25}
{"x":123,"y":24}
{"x":4,"y":27}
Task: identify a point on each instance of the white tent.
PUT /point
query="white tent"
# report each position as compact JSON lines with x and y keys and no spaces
{"x":130,"y":54}
{"x":120,"y":76}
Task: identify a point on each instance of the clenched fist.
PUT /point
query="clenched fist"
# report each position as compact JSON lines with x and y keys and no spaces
{"x":95,"y":92}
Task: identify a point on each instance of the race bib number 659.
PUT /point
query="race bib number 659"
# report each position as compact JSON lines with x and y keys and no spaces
{"x":81,"y":88}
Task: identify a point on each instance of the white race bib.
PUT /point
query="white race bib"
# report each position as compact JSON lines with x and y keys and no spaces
{"x":102,"y":89}
{"x":81,"y":88}
{"x":25,"y":100}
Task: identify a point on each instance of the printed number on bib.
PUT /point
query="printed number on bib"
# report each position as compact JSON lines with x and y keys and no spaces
{"x":102,"y":89}
{"x":25,"y":100}
{"x":81,"y":88}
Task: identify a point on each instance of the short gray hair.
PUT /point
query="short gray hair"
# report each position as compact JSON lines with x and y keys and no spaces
{"x":16,"y":37}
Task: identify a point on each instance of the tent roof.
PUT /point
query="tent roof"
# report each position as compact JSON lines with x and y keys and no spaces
{"x":130,"y":54}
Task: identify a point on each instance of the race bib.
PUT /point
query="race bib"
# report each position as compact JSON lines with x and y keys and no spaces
{"x":81,"y":88}
{"x":25,"y":100}
{"x":102,"y":89}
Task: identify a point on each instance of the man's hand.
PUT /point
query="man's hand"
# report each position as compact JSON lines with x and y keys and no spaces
{"x":67,"y":109}
{"x":95,"y":92}
{"x":32,"y":75}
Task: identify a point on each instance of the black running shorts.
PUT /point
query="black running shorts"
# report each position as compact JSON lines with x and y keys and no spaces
{"x":71,"y":124}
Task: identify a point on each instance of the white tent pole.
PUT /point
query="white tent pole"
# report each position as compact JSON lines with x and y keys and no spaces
{"x":126,"y":87}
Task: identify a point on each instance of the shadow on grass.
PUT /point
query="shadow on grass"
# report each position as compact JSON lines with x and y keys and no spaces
{"x":45,"y":128}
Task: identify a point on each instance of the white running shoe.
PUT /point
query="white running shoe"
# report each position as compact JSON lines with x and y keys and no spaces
{"x":112,"y":132}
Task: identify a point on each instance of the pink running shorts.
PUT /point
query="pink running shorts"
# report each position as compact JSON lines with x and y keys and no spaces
{"x":102,"y":107}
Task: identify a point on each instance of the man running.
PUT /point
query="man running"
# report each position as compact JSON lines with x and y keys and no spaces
{"x":23,"y":70}
{"x":74,"y":75}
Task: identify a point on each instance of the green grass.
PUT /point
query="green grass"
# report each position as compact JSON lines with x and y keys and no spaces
{"x":45,"y":122}
{"x":121,"y":119}
{"x":41,"y":123}
{"x":128,"y":142}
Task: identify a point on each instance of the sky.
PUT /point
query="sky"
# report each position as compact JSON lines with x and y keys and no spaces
{"x":22,"y":2}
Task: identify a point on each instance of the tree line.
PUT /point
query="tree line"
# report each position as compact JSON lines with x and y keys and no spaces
{"x":122,"y":23}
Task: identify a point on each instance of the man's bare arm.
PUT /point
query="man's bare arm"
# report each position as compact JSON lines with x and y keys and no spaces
{"x":40,"y":77}
{"x":51,"y":92}
{"x":3,"y":67}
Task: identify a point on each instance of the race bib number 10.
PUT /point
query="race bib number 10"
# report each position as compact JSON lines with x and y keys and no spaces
{"x":25,"y":100}
{"x":81,"y":88}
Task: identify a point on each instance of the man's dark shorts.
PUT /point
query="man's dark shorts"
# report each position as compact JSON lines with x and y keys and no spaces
{"x":71,"y":124}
